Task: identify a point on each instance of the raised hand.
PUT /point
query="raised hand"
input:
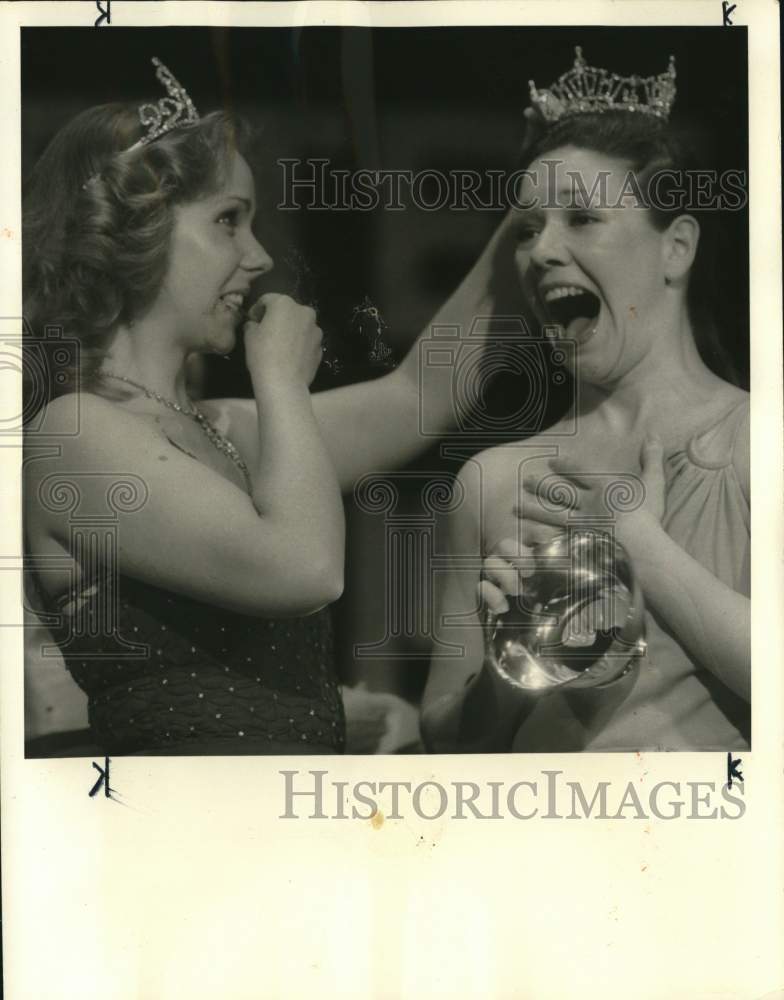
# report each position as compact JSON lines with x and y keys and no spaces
{"x":282,"y":340}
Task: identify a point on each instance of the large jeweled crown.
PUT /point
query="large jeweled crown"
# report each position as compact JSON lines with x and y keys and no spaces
{"x":587,"y":88}
{"x":168,"y":112}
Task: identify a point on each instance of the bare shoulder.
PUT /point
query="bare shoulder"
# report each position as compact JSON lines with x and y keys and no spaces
{"x":490,"y":484}
{"x":87,"y":408}
{"x":88,"y":437}
{"x":734,"y":394}
{"x":83,"y":426}
{"x":723,"y":433}
{"x":499,"y":470}
{"x":726,"y":406}
{"x":68,"y":445}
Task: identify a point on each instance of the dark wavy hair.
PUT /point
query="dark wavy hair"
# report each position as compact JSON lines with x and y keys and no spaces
{"x":97,"y":222}
{"x":651,"y":146}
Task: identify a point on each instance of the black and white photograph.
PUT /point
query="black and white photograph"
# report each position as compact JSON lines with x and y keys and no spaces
{"x":386,"y":412}
{"x":384,"y":388}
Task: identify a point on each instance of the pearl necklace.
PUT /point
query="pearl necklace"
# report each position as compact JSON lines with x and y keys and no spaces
{"x":212,"y":433}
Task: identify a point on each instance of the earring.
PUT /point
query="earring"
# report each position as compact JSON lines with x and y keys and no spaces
{"x":667,"y":281}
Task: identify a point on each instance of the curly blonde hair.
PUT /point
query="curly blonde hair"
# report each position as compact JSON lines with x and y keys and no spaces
{"x":98,"y":217}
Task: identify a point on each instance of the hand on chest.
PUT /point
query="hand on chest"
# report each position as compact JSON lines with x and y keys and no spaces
{"x":528,"y":482}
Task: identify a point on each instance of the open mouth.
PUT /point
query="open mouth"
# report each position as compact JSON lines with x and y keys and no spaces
{"x":234,"y":302}
{"x":575,"y":309}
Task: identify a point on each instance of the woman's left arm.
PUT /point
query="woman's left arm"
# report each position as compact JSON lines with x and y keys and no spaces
{"x":710,"y":619}
{"x":378,"y":425}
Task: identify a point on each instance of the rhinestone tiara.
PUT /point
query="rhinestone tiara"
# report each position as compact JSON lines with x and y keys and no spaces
{"x":587,"y":88}
{"x":166,"y":113}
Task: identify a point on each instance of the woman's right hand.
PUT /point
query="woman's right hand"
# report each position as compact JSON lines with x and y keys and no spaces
{"x":503,"y":572}
{"x":282,"y":340}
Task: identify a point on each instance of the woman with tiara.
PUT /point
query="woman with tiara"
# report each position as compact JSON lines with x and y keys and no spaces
{"x":611,"y":255}
{"x":200,"y":624}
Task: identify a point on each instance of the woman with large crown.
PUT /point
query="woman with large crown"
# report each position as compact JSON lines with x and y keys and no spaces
{"x":611,"y":257}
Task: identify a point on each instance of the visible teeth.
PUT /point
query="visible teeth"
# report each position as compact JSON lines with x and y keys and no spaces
{"x":561,"y":292}
{"x":233,"y":300}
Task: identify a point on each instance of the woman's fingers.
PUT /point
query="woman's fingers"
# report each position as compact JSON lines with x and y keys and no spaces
{"x":553,"y":492}
{"x":653,"y":476}
{"x":282,"y":339}
{"x":530,"y":509}
{"x":652,"y":460}
{"x":257,"y":310}
{"x":517,"y":554}
{"x":502,"y":574}
{"x":491,"y":598}
{"x":263,"y":303}
{"x":574,"y":471}
{"x":540,"y":534}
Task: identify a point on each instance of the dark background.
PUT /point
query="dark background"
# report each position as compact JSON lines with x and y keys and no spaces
{"x":405,"y":98}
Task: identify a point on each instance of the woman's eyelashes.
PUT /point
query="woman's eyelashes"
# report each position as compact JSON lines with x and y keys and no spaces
{"x":580,"y":217}
{"x":229,"y":217}
{"x":527,"y":231}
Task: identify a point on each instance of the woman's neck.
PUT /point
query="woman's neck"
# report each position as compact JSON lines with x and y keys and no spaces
{"x":662,"y":394}
{"x":150,"y":361}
